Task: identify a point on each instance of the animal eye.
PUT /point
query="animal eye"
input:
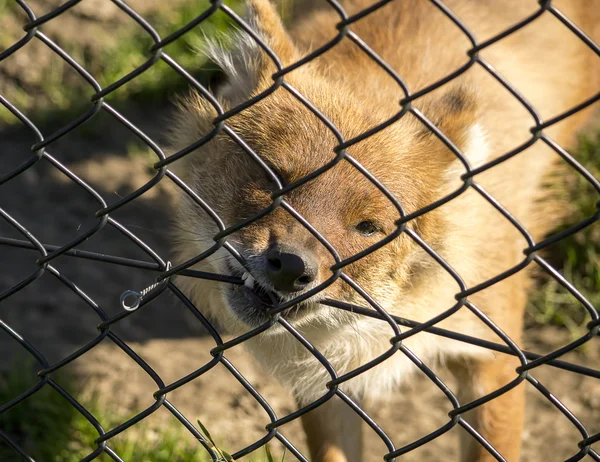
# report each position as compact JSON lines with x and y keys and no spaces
{"x":367,"y":228}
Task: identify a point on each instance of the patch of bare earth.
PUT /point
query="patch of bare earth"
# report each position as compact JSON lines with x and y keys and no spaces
{"x":236,"y":419}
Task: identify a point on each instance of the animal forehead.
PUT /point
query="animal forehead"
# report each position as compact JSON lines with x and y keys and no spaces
{"x":281,"y":121}
{"x":297,"y":143}
{"x":296,"y":150}
{"x":343,"y":187}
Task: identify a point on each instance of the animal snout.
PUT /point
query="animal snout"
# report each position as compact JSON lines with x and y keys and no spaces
{"x":290,"y":269}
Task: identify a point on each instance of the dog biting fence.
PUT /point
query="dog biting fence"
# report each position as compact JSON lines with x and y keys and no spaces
{"x":134,"y":299}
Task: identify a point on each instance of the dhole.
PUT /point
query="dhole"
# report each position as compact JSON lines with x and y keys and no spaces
{"x":543,"y":61}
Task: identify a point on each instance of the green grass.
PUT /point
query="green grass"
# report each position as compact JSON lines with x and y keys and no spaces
{"x":60,"y":94}
{"x":578,"y":255}
{"x":48,"y":428}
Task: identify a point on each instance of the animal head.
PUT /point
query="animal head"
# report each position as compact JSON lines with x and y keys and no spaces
{"x":284,"y":258}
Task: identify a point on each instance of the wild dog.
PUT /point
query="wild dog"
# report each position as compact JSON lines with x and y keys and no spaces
{"x":544,"y":61}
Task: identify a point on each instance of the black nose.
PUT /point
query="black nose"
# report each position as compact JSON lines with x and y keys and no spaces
{"x":290,"y":270}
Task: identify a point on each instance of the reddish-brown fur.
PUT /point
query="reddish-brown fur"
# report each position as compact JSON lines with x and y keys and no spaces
{"x":551,"y":67}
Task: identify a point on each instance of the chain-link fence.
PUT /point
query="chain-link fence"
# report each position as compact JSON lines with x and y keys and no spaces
{"x":134,"y":301}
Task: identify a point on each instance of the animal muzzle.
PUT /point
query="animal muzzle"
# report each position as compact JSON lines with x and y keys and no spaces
{"x":289,"y":268}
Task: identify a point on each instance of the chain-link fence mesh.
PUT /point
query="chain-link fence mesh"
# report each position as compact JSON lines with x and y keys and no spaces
{"x":48,"y":255}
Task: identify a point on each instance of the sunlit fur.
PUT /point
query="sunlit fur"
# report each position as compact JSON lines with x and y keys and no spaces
{"x":544,"y":61}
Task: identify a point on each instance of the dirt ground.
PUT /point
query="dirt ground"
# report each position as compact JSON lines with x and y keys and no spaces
{"x":57,"y":322}
{"x":236,"y":418}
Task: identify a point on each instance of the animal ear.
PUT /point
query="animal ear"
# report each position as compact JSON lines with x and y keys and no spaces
{"x":455,"y":113}
{"x":246,"y":68}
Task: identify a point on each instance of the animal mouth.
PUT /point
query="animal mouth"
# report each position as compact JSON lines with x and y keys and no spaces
{"x":252,"y":303}
{"x":255,"y":290}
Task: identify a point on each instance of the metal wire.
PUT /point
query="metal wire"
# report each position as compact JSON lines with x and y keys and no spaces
{"x":47,"y":254}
